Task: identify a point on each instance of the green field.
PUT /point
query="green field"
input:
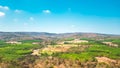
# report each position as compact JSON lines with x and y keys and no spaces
{"x":12,"y":52}
{"x":30,"y":41}
{"x":83,"y":52}
{"x":89,"y":53}
{"x":92,"y":52}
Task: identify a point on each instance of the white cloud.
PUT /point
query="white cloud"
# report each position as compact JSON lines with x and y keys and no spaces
{"x":2,"y":14}
{"x":46,"y":11}
{"x":18,"y":11}
{"x":31,"y":18}
{"x":4,"y":7}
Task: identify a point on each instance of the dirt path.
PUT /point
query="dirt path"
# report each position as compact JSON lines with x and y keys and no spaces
{"x":105,"y":60}
{"x":36,"y":52}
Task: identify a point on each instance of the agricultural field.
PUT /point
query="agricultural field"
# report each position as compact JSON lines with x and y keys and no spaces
{"x":11,"y":54}
{"x":92,"y":52}
{"x":47,"y":55}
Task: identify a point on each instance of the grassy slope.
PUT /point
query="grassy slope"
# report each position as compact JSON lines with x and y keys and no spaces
{"x":11,"y":52}
{"x":90,"y":53}
{"x":30,"y":41}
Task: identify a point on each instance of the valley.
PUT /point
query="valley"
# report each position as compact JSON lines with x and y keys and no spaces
{"x":60,"y":51}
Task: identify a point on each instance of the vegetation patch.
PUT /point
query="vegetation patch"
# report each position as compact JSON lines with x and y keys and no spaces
{"x":89,"y":54}
{"x":11,"y":52}
{"x":30,"y":41}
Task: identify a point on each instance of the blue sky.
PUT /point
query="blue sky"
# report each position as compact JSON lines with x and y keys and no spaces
{"x":60,"y":16}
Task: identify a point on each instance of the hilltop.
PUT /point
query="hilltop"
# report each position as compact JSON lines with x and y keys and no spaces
{"x":44,"y":35}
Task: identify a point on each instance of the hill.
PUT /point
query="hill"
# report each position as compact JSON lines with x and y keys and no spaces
{"x":44,"y":35}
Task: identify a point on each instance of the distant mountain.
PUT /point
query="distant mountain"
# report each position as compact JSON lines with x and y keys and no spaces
{"x":24,"y":35}
{"x":45,"y":35}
